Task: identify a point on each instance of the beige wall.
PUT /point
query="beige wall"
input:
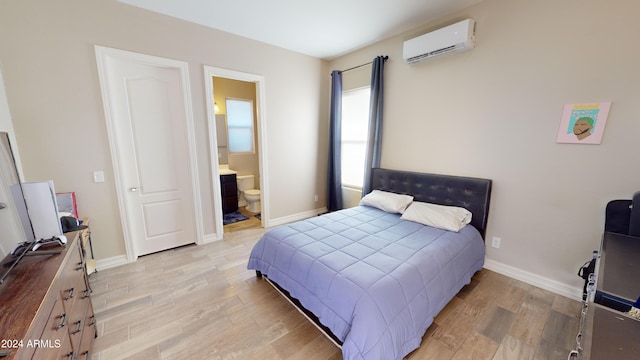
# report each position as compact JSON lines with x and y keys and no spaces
{"x":5,"y":122}
{"x":494,"y":112}
{"x":49,"y":67}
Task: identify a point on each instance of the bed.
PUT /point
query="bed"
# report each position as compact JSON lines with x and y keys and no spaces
{"x":371,"y":280}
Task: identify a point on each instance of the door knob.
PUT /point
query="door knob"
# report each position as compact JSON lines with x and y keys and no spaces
{"x":133,"y":189}
{"x":2,"y":206}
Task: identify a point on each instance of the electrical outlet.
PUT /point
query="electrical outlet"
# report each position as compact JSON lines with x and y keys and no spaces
{"x":495,"y":242}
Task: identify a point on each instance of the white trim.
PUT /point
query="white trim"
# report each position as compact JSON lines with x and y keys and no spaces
{"x":102,"y":54}
{"x":296,"y":217}
{"x":104,"y":264}
{"x":259,"y":80}
{"x":213,"y":151}
{"x":535,"y":280}
{"x":209,"y":238}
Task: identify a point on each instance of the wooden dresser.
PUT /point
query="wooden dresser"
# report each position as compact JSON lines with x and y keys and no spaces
{"x":45,"y":305}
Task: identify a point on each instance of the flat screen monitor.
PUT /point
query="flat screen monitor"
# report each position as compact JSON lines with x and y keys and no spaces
{"x":16,"y":232}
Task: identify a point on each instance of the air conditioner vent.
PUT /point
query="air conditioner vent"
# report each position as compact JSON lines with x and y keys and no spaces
{"x":453,"y":38}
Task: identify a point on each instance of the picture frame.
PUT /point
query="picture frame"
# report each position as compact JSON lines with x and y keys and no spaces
{"x":583,"y":123}
{"x":67,"y":203}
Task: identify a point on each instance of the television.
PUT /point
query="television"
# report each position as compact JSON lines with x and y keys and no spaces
{"x":29,"y":217}
{"x":16,"y":232}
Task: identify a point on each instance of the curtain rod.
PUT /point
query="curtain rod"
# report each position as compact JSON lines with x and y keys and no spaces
{"x":365,"y":64}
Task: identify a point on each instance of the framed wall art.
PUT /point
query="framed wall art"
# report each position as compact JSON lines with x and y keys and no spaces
{"x":67,"y":204}
{"x":583,"y":123}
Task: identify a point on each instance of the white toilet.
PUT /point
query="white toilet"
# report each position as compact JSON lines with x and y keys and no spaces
{"x":248,"y":195}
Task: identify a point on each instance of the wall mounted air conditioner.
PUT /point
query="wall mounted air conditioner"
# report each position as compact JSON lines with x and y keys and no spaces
{"x":453,"y":38}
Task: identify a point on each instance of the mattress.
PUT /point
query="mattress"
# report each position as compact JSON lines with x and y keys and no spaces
{"x":375,"y":280}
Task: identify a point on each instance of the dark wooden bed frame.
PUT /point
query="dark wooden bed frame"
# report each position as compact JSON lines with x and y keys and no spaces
{"x":473,"y":194}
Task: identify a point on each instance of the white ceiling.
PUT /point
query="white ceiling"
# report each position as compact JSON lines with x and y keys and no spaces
{"x":323,"y":29}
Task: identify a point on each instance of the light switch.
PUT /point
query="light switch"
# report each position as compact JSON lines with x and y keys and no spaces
{"x":98,"y":176}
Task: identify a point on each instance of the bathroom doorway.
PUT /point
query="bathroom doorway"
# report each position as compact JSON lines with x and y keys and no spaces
{"x":246,"y":166}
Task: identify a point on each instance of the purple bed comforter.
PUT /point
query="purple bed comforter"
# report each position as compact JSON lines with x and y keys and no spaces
{"x":375,"y":280}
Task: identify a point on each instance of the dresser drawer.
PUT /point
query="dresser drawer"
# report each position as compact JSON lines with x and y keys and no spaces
{"x":89,"y":333}
{"x":71,"y":282}
{"x":54,"y":342}
{"x":79,"y":320}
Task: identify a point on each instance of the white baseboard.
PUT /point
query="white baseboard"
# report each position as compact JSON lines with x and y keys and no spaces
{"x":535,"y":280}
{"x":295,"y":217}
{"x":104,"y":264}
{"x":209,"y":238}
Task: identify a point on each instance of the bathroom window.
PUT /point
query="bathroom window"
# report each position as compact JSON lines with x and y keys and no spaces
{"x":240,"y":125}
{"x":355,"y":125}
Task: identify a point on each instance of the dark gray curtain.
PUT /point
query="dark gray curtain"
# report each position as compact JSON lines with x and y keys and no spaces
{"x":374,"y":141}
{"x":334,"y":191}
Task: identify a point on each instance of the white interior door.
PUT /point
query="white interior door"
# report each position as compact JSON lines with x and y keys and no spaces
{"x":147,"y":105}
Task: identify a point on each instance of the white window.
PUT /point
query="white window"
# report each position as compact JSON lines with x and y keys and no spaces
{"x":240,"y":125}
{"x":355,"y":124}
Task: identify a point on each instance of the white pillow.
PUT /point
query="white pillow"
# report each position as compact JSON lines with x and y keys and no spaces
{"x":450,"y":218}
{"x":387,"y":201}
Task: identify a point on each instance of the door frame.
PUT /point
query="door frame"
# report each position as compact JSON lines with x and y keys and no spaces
{"x":102,"y":55}
{"x":209,"y":73}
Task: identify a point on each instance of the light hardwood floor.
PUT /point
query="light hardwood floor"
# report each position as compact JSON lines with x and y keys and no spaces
{"x":200,"y":302}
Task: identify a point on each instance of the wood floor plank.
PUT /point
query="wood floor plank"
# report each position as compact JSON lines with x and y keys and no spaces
{"x":448,"y":310}
{"x":242,"y":346}
{"x":476,"y":347}
{"x":512,"y":348}
{"x":297,"y":338}
{"x":431,"y":349}
{"x":135,"y":345}
{"x":560,"y":329}
{"x":496,"y":323}
{"x":455,"y":330}
{"x":529,"y":324}
{"x":530,"y":321}
{"x":511,"y":299}
{"x":144,"y":319}
{"x":566,"y":306}
{"x":152,"y":353}
{"x":264,"y":353}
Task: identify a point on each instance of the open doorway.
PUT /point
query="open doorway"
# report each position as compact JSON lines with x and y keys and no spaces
{"x":239,"y":174}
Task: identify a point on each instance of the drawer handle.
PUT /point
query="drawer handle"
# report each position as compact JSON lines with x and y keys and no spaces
{"x":93,"y":320}
{"x":71,"y":292}
{"x":78,"y":328}
{"x":64,"y":321}
{"x":80,"y":266}
{"x":85,"y":294}
{"x":70,"y":355}
{"x":86,"y":354}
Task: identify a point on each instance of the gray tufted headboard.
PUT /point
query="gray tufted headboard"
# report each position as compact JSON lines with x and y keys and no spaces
{"x":473,"y":194}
